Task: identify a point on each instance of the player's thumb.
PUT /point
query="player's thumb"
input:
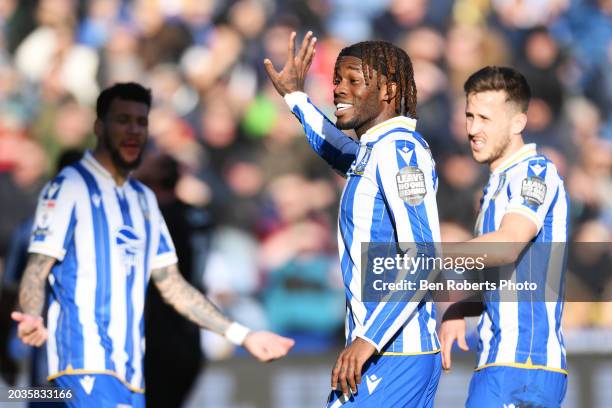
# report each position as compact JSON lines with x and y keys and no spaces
{"x":462,"y":343}
{"x":17,"y":316}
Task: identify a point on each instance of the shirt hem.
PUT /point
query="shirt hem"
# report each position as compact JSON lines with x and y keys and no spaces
{"x":524,"y":366}
{"x":107,"y":372}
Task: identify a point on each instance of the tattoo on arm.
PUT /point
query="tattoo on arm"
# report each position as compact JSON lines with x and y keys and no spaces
{"x":32,"y":288}
{"x":188,"y":301}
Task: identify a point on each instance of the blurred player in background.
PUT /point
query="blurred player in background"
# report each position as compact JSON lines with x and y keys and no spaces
{"x":521,"y":355}
{"x":392,"y":344}
{"x":98,"y":237}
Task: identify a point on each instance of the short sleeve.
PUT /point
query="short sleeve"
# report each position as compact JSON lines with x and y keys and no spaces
{"x":532,"y":186}
{"x":165,"y":254}
{"x":55,"y":217}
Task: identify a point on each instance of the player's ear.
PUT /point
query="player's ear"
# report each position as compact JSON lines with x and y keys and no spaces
{"x":387,"y":94}
{"x":519,"y":121}
{"x":98,"y":127}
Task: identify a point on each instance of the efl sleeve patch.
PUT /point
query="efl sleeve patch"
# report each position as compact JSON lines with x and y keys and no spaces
{"x":411,"y":185}
{"x":533,"y":190}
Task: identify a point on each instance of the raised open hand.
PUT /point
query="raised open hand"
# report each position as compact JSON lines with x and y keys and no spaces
{"x":291,"y":77}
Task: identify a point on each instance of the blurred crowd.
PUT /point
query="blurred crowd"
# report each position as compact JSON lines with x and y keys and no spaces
{"x":262,"y":206}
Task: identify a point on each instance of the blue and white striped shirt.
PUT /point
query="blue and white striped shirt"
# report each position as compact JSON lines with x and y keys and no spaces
{"x":374,"y":208}
{"x":526,"y":333}
{"x":106,"y":239}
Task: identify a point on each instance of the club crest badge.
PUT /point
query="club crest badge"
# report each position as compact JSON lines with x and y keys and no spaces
{"x":360,"y":168}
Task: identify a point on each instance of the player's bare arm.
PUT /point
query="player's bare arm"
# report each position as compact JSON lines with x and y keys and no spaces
{"x":193,"y":305}
{"x":31,"y":329}
{"x":291,"y":78}
{"x":187,"y":300}
{"x":515,"y":229}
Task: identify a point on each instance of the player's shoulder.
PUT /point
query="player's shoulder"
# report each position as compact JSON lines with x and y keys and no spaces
{"x":534,"y":166}
{"x":69,"y":177}
{"x":68,"y":183}
{"x":140,"y":187}
{"x":403,"y":140}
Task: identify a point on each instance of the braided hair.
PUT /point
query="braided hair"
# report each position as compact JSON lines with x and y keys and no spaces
{"x":391,"y":61}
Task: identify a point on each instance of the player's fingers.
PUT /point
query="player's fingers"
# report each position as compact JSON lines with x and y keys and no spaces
{"x":343,"y":380}
{"x":309,"y":54}
{"x":291,"y":48}
{"x":304,"y":46}
{"x":461,"y":342}
{"x":37,"y":339}
{"x":335,"y":375}
{"x":350,"y":374}
{"x":446,"y":362}
{"x":269,"y":67}
{"x":17,"y":316}
{"x":25,"y":329}
{"x":446,"y":346}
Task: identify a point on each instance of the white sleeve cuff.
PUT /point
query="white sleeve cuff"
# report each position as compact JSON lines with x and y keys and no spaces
{"x":161,"y":261}
{"x":44,"y":249}
{"x":295,"y":98}
{"x":530,"y":215}
{"x":236,"y":333}
{"x":370,"y":341}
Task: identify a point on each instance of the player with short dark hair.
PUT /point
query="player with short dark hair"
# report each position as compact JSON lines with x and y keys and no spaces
{"x":524,"y":209}
{"x":389,"y":197}
{"x":98,"y":237}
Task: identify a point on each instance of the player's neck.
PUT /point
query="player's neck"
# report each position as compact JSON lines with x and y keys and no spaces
{"x":516,"y":144}
{"x":384,"y":116}
{"x":118,"y":174}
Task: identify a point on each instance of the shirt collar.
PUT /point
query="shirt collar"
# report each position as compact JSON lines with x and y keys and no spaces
{"x":375,"y":132}
{"x":99,"y":171}
{"x":526,"y":151}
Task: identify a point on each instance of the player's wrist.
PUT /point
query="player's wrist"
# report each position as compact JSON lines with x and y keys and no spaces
{"x":237,"y":333}
{"x":295,"y":97}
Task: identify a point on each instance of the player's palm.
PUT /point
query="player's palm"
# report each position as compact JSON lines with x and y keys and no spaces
{"x":291,"y":78}
{"x":30,"y":329}
{"x":267,"y":346}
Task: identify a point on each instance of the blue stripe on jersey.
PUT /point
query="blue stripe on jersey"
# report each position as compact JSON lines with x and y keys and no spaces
{"x":147,"y":221}
{"x":163,"y":245}
{"x":525,"y":307}
{"x":340,"y":151}
{"x":492,"y":306}
{"x":383,"y":228}
{"x":129,"y":285}
{"x":351,"y":323}
{"x":102,"y":244}
{"x":346,"y":226}
{"x":70,"y":340}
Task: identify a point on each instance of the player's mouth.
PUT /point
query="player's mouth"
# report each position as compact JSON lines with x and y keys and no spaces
{"x":341,"y":108}
{"x":131,"y":149}
{"x":477,"y":144}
